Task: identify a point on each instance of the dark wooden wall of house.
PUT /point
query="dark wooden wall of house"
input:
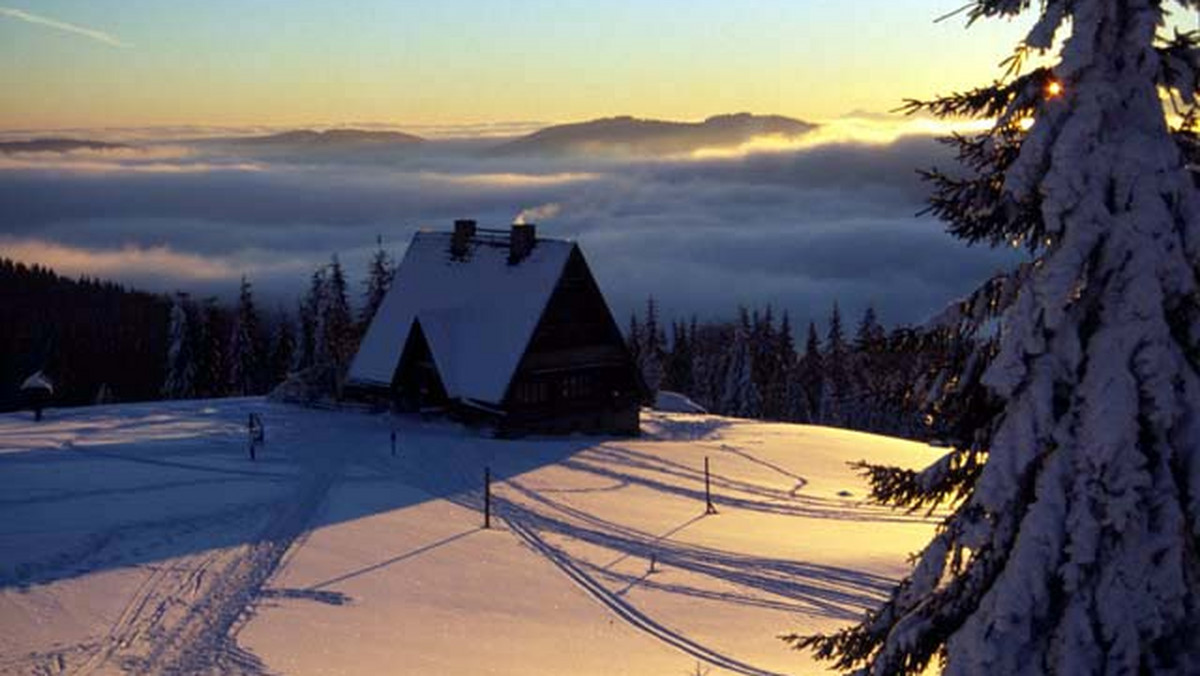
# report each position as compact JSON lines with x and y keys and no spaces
{"x":577,"y":373}
{"x":416,"y":383}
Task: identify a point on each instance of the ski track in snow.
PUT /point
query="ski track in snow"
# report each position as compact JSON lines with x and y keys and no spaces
{"x":511,"y":515}
{"x":185,"y":615}
{"x":785,"y":579}
{"x":626,"y":611}
{"x":183,"y":618}
{"x":802,"y":587}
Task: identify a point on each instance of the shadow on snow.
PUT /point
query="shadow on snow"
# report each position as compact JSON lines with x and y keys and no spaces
{"x":92,"y":489}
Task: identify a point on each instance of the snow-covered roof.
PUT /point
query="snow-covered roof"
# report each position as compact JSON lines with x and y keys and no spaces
{"x":478,"y":314}
{"x":38,"y":381}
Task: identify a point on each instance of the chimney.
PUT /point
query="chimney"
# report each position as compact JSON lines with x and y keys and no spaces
{"x":464,"y":230}
{"x":521,"y":242}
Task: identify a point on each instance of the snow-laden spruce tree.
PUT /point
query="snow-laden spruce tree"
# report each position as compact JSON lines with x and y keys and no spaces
{"x":680,"y":366}
{"x":380,"y":273}
{"x":312,"y":332}
{"x":861,"y":402}
{"x":633,"y":339}
{"x":836,"y":381}
{"x":181,"y":364}
{"x":340,"y":341}
{"x":652,"y":348}
{"x":781,"y":381}
{"x":806,"y":403}
{"x":283,"y":348}
{"x":245,"y":345}
{"x":1073,"y":545}
{"x":740,"y":396}
{"x":211,"y":354}
{"x":708,"y":350}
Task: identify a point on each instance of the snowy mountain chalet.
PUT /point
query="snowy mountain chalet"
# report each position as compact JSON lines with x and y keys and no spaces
{"x":501,"y":328}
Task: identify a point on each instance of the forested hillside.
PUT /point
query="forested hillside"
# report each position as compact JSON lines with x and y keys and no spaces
{"x":86,"y":335}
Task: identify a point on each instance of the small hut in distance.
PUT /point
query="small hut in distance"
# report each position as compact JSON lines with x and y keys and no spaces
{"x":503,"y":328}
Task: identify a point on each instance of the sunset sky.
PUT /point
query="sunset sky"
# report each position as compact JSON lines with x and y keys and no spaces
{"x":795,"y":222}
{"x":93,"y":63}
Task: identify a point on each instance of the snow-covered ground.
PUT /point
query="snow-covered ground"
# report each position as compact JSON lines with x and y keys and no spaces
{"x":141,"y":538}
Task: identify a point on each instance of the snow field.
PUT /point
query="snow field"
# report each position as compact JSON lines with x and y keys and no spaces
{"x":141,"y":539}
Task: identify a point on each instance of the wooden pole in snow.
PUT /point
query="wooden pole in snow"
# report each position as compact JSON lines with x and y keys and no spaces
{"x":708,"y":503}
{"x":250,"y":434}
{"x":487,"y":497}
{"x":393,"y":443}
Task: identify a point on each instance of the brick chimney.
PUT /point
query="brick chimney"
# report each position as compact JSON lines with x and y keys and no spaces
{"x":521,"y":241}
{"x":464,"y":230}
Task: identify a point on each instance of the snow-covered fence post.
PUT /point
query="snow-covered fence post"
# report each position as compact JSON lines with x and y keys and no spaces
{"x":709,"y":508}
{"x":487,"y":497}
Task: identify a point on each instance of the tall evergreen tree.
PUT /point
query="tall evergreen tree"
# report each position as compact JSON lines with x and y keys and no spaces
{"x":181,"y":364}
{"x":834,"y":381}
{"x":764,"y":349}
{"x":283,"y":348}
{"x":786,"y":342}
{"x":245,"y":346}
{"x":870,"y":333}
{"x":380,"y":273}
{"x":338,"y":332}
{"x":312,"y":342}
{"x":211,"y":350}
{"x":1073,"y":545}
{"x":864,"y":400}
{"x":810,"y":379}
{"x":784,"y":381}
{"x":652,"y":348}
{"x":634,"y":340}
{"x":709,"y":346}
{"x":680,"y":364}
{"x":740,"y":396}
{"x":956,"y":351}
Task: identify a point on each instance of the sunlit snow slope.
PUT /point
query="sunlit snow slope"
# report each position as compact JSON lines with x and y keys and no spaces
{"x":142,"y":539}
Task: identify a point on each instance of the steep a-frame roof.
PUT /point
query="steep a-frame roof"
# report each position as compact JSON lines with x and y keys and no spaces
{"x":478,"y":312}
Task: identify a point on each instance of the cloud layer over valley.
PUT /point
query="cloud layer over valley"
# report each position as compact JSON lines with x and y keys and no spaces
{"x":795,"y":224}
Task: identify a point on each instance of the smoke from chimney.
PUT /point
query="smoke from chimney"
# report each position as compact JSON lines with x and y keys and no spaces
{"x":538,"y":214}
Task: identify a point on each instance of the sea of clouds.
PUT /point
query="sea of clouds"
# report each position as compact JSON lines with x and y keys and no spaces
{"x":797,"y":226}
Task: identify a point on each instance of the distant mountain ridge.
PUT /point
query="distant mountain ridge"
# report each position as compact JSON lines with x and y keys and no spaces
{"x":630,"y":135}
{"x":331,"y":138}
{"x":57,"y":145}
{"x":612,"y":136}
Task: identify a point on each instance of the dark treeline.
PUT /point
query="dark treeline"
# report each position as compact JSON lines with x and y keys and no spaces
{"x":98,"y":342}
{"x":756,"y":366}
{"x":95,"y":340}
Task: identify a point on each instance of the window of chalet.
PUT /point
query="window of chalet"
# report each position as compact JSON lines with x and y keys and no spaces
{"x":535,"y":392}
{"x":577,"y":386}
